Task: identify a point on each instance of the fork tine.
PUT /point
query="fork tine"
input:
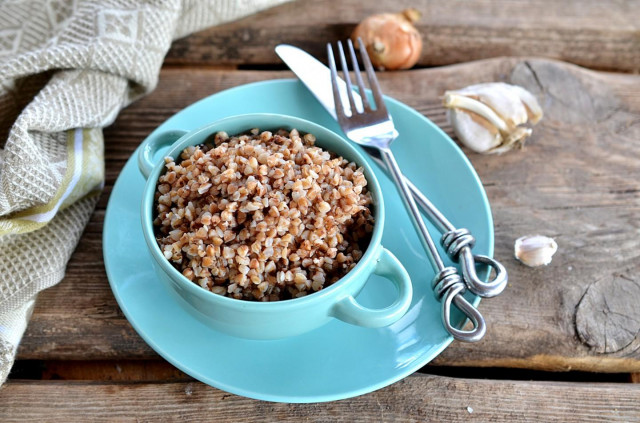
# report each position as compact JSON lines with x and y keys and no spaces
{"x":334,"y":84}
{"x":347,"y":79}
{"x":373,"y":81}
{"x":356,"y":70}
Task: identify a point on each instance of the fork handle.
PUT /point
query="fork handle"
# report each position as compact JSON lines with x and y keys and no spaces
{"x":409,"y":202}
{"x":447,"y":282}
{"x":432,"y":212}
{"x":457,"y":242}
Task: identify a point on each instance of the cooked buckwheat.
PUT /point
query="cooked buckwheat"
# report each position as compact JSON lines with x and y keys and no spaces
{"x":262,"y":216}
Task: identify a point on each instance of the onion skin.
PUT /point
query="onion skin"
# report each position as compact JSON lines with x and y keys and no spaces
{"x":391,"y":40}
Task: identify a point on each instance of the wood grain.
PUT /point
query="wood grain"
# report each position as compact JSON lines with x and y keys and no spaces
{"x":594,"y":34}
{"x":418,"y":398}
{"x":577,"y":179}
{"x":607,"y":316}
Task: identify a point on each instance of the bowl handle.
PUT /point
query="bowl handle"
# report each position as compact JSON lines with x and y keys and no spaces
{"x":152,"y":145}
{"x":350,"y":311}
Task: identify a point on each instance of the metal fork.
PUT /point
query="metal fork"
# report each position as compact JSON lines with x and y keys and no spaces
{"x":374,"y":128}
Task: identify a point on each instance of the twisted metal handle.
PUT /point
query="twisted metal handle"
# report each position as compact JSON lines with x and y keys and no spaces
{"x":448,"y":285}
{"x":458,"y":244}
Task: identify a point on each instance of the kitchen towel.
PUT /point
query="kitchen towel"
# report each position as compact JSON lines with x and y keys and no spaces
{"x":67,"y":67}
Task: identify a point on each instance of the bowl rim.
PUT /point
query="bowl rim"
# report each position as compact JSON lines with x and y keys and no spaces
{"x":363,"y":267}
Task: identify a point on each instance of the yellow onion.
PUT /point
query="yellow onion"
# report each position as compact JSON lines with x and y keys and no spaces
{"x":391,"y":39}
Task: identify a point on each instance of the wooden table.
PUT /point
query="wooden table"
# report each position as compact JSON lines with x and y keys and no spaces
{"x":563,"y":340}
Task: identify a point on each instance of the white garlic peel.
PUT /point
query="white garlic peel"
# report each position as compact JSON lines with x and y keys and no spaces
{"x":488,"y":118}
{"x":535,"y":250}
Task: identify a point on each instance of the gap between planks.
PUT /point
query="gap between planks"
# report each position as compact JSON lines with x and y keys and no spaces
{"x":158,"y":370}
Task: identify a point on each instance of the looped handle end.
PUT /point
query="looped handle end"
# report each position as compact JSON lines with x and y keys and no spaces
{"x":479,"y":325}
{"x":458,"y":244}
{"x":448,"y":288}
{"x":484,"y":289}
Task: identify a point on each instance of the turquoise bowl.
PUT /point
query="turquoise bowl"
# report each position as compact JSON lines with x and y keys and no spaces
{"x":281,"y":319}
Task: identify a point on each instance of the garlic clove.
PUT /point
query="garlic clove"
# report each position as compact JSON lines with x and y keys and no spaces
{"x":454,"y":100}
{"x":495,"y":112}
{"x":478,"y":127}
{"x":501,"y":99}
{"x":482,"y":135}
{"x":535,"y":250}
{"x":534,"y":111}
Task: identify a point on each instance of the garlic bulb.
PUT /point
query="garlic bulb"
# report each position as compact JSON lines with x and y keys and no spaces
{"x":488,"y":118}
{"x":535,"y":250}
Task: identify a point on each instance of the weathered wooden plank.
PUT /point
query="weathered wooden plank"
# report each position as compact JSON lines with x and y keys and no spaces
{"x":577,"y":179}
{"x":418,"y":398}
{"x":601,"y":35}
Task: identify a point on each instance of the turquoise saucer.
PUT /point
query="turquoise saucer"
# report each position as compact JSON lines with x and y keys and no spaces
{"x":337,"y":360}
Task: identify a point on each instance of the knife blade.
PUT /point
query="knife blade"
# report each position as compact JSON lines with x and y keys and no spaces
{"x":317,"y":78}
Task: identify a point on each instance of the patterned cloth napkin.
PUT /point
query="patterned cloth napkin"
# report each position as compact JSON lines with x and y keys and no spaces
{"x":67,"y":67}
